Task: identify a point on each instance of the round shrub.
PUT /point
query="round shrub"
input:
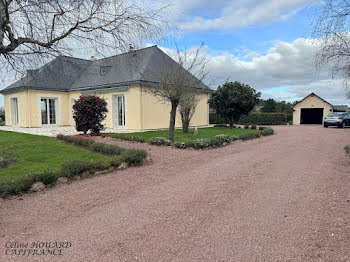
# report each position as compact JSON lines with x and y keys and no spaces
{"x":234,"y":138}
{"x":253,"y":127}
{"x":246,"y":127}
{"x":180,"y":144}
{"x":223,"y":138}
{"x":201,"y":143}
{"x":215,"y":142}
{"x":159,"y":141}
{"x":89,"y":112}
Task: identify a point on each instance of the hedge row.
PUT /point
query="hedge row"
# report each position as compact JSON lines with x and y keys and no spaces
{"x":347,"y":150}
{"x":125,"y":137}
{"x":75,"y":167}
{"x":264,"y":119}
{"x":221,"y":140}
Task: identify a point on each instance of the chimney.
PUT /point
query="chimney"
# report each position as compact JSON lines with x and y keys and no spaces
{"x":131,"y":48}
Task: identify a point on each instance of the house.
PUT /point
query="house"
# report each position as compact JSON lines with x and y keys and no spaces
{"x":313,"y":109}
{"x":44,"y":97}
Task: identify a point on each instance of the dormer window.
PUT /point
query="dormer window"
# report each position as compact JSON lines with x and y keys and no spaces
{"x":104,"y":69}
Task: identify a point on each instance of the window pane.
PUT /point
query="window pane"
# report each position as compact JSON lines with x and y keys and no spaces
{"x":43,"y":111}
{"x":52,"y":111}
{"x":121,"y":110}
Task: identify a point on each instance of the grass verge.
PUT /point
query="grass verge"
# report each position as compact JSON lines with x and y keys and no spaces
{"x":44,"y":159}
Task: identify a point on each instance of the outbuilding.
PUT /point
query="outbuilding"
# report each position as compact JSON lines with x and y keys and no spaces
{"x":311,"y":110}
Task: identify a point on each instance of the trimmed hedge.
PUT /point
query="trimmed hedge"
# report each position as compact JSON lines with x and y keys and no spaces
{"x":125,"y":137}
{"x":216,"y":119}
{"x":263,"y":119}
{"x":347,"y":150}
{"x":159,"y":141}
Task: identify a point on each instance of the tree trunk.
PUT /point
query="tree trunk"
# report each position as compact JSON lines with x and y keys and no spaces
{"x":172,"y":120}
{"x":185,"y":117}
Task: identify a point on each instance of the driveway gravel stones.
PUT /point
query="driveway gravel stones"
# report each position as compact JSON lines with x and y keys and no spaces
{"x":279,"y":198}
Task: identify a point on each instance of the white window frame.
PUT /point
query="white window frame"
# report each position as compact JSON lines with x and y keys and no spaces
{"x":14,"y":111}
{"x":115,"y":114}
{"x":48,"y":111}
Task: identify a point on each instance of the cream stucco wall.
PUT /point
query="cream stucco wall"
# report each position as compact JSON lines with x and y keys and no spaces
{"x":310,"y":102}
{"x":143,"y":111}
{"x":23,"y":108}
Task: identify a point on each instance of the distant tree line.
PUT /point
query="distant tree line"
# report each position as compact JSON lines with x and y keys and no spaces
{"x":272,"y":106}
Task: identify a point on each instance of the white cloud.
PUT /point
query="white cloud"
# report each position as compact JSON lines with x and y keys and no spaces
{"x":285,"y":72}
{"x":199,"y":15}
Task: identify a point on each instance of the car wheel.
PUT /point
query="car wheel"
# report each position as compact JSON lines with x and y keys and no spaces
{"x":343,"y":125}
{"x":325,"y":126}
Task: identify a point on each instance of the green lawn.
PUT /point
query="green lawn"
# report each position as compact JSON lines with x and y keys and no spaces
{"x":207,"y":132}
{"x":37,"y":153}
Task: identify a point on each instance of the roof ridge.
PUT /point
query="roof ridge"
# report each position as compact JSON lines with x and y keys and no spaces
{"x":125,"y":53}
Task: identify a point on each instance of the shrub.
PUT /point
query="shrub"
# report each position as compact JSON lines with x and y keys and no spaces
{"x":223,"y":138}
{"x":138,"y":139}
{"x":115,"y":161}
{"x":48,"y":177}
{"x":74,"y":167}
{"x":347,"y":150}
{"x":249,"y":136}
{"x":16,"y":186}
{"x":220,"y":125}
{"x":267,"y":131}
{"x":264,"y":119}
{"x":201,"y":143}
{"x":290,"y":118}
{"x":180,"y":144}
{"x":89,"y":112}
{"x":159,"y":141}
{"x":234,"y":126}
{"x":76,"y":140}
{"x":216,"y":119}
{"x":234,"y":138}
{"x":261,"y":128}
{"x":215,"y":142}
{"x":189,"y":144}
{"x":133,"y":156}
{"x":126,"y":137}
{"x":106,"y":149}
{"x":253,"y":127}
{"x":238,"y":126}
{"x":246,"y":127}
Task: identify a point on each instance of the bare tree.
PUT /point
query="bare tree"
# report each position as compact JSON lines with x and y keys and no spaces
{"x":179,"y":80}
{"x":187,"y":108}
{"x":333,"y":38}
{"x":32,"y":30}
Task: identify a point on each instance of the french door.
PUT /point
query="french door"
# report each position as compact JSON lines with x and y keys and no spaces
{"x":120,"y":112}
{"x":48,"y":111}
{"x":14,"y":111}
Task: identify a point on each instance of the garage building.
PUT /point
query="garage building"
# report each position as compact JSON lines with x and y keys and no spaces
{"x":311,"y":110}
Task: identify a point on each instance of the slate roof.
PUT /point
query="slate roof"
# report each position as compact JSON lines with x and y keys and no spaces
{"x":71,"y":74}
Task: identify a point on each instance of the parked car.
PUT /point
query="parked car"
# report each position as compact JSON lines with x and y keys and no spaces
{"x":337,"y":119}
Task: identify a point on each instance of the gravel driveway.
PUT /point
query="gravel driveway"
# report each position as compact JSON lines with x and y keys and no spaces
{"x":280,"y":198}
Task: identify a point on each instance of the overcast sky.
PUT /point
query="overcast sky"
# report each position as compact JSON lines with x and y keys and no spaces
{"x":265,"y":44}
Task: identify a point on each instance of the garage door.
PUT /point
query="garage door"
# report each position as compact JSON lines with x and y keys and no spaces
{"x":311,"y":116}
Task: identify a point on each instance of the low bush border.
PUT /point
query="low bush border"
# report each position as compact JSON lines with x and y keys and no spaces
{"x":206,"y":143}
{"x":117,"y":157}
{"x":347,"y":150}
